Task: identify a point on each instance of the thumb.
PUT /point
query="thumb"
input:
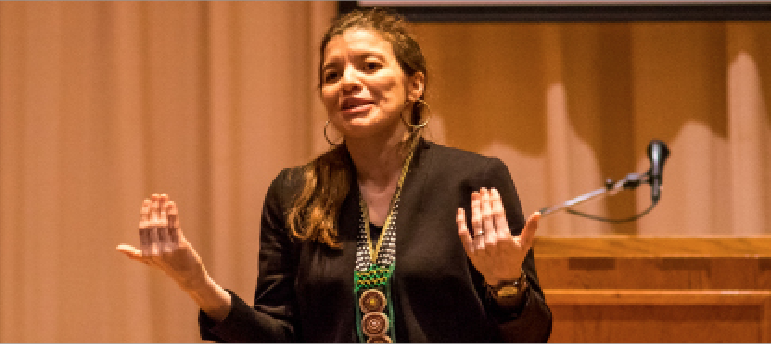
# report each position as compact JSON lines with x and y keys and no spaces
{"x":528,"y":232}
{"x":130,"y":251}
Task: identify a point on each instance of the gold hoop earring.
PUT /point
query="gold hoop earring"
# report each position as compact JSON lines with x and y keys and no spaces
{"x":326,"y":136}
{"x":420,"y":125}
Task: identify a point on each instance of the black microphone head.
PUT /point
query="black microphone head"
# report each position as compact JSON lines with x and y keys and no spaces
{"x":657,"y":154}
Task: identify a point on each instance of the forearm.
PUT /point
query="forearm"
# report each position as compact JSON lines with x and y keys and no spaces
{"x":211,"y":298}
{"x":533,"y":325}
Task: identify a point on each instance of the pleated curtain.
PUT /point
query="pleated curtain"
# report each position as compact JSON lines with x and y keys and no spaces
{"x":103,"y":103}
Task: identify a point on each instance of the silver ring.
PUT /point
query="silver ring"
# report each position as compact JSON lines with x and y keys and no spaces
{"x":480,"y":233}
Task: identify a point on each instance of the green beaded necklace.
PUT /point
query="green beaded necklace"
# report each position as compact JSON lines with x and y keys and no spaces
{"x":374,"y":268}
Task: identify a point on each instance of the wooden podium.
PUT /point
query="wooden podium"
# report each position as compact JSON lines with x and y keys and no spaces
{"x":651,"y":290}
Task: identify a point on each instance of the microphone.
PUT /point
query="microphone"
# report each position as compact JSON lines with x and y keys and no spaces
{"x":657,"y":154}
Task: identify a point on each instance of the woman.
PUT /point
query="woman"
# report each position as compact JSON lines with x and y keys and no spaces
{"x":370,"y":242}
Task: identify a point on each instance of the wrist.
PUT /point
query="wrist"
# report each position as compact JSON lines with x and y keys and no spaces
{"x":502,"y":280}
{"x":196,"y":283}
{"x":214,"y":300}
{"x":509,"y":292}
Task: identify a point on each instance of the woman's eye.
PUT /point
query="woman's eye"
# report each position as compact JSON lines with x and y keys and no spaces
{"x":372,"y":65}
{"x":330,"y":76}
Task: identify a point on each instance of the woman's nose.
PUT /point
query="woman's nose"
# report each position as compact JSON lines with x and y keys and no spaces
{"x":350,"y":79}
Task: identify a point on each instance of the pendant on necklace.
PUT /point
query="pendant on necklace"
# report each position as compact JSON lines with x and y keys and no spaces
{"x":372,"y":300}
{"x":374,"y":324}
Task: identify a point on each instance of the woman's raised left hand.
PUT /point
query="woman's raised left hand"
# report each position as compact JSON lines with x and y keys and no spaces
{"x":492,"y":249}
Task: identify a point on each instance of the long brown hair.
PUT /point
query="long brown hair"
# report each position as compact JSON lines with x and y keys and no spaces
{"x":328,"y":177}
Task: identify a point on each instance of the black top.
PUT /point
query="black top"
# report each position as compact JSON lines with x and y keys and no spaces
{"x":305,"y":292}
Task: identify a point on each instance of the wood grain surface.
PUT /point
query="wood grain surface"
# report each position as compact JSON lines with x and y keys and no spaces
{"x":628,"y":289}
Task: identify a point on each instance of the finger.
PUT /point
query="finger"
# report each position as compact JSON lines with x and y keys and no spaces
{"x":476,"y":221}
{"x":499,"y":214}
{"x":172,"y":215}
{"x":528,"y":232}
{"x":163,"y":225}
{"x":487,"y":219}
{"x":145,"y":226}
{"x":144,"y":212}
{"x":155,"y":224}
{"x":131,"y":252}
{"x":155,"y":207}
{"x":465,"y":236}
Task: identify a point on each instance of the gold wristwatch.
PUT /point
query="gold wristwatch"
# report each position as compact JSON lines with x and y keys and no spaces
{"x":509,"y":290}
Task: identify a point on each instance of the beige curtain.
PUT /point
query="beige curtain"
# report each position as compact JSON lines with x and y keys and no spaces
{"x":568,"y":105}
{"x":103,"y":103}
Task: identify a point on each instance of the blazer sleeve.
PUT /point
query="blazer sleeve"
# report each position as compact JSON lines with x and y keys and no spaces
{"x":533,"y":322}
{"x":271,"y":318}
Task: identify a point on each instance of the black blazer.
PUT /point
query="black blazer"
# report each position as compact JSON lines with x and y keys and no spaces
{"x":305,"y":293}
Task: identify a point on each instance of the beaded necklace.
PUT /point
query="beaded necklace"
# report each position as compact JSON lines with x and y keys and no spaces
{"x":374,"y":268}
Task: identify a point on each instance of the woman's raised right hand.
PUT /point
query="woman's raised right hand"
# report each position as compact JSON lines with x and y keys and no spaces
{"x":163,"y":245}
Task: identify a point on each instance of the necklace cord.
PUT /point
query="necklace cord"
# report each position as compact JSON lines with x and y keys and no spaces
{"x":373,"y":252}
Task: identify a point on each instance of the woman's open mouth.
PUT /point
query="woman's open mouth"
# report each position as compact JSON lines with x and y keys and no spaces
{"x":353,"y":105}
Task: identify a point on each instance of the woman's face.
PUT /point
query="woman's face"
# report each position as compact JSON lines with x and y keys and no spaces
{"x":363,"y":87}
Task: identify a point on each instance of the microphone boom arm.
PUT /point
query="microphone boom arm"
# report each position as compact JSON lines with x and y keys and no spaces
{"x":657,"y":154}
{"x":630,"y":182}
